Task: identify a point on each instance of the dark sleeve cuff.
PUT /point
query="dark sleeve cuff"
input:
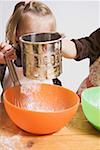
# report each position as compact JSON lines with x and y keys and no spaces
{"x":78,"y":46}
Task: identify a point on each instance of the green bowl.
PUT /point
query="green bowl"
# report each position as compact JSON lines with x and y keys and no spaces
{"x":91,"y":105}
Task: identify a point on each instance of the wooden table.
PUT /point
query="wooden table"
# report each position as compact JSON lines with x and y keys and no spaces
{"x":78,"y":135}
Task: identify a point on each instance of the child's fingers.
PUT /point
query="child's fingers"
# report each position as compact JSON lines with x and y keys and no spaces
{"x":2,"y":61}
{"x":7,"y":56}
{"x":6,"y":48}
{"x":10,"y":54}
{"x":62,"y":35}
{"x":2,"y":45}
{"x":11,"y":57}
{"x":6,"y":51}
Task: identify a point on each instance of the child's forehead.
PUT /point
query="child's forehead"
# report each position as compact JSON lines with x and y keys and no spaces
{"x":30,"y":17}
{"x":34,"y":23}
{"x":34,"y":20}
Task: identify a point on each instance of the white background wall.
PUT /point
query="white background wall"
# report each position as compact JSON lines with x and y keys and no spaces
{"x":76,"y":19}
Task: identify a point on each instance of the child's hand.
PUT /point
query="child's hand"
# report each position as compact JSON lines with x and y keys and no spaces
{"x":7,"y":51}
{"x":68,"y":48}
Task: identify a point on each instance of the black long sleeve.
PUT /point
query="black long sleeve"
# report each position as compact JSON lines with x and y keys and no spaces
{"x":88,"y":47}
{"x":2,"y":72}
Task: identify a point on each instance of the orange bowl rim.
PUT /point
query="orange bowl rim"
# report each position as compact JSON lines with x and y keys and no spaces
{"x":76,"y":104}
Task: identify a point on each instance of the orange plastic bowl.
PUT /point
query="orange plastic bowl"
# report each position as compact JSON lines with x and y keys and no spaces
{"x":64,"y":104}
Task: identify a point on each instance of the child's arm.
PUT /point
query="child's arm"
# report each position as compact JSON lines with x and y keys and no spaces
{"x":7,"y":51}
{"x":87,"y":47}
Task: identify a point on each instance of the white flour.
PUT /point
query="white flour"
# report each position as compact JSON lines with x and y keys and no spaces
{"x":11,"y":143}
{"x":31,"y":100}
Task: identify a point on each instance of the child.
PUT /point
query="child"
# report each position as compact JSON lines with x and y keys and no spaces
{"x":27,"y":18}
{"x":88,"y":47}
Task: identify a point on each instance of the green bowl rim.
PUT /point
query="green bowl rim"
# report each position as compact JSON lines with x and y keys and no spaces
{"x":83,"y":97}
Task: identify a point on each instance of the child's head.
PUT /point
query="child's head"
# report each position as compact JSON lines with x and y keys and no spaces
{"x":27,"y":18}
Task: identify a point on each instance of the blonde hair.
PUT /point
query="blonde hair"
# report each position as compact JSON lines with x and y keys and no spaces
{"x":35,"y":7}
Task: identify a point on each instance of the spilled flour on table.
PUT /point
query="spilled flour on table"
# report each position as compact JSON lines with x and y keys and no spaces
{"x":11,"y":143}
